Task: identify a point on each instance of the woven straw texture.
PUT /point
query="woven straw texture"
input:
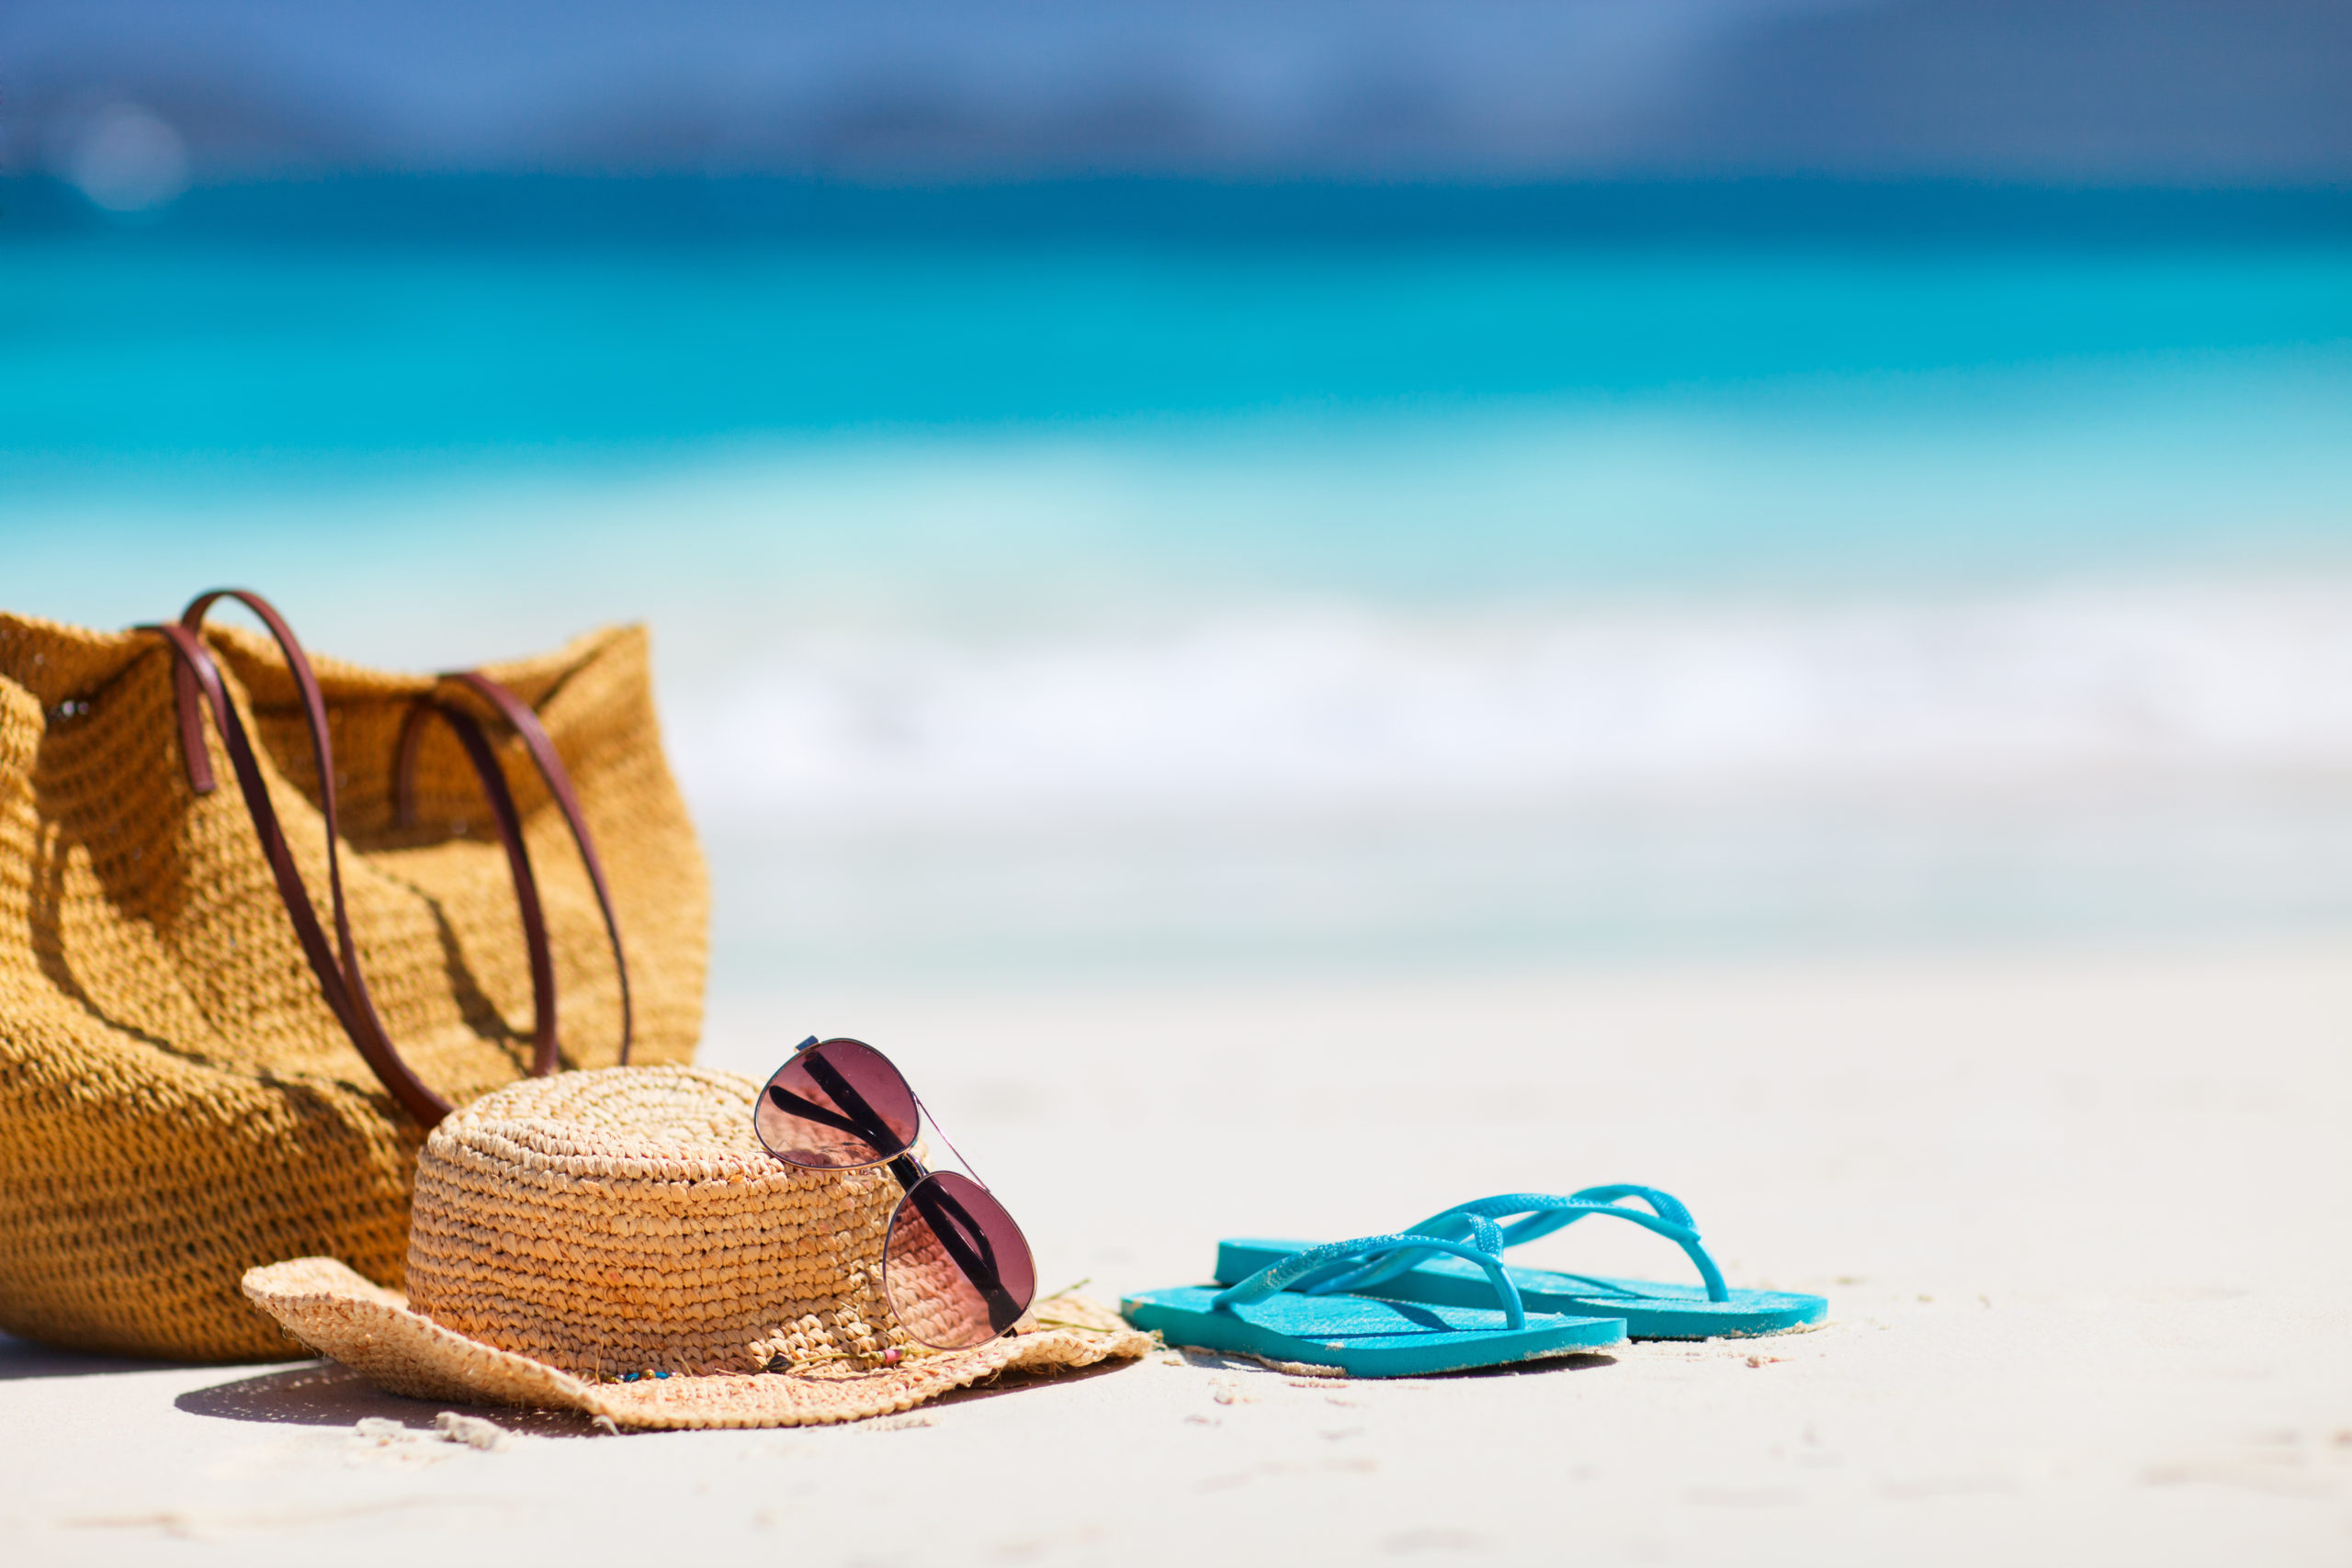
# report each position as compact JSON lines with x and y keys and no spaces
{"x":179,"y":1103}
{"x":571,"y":1232}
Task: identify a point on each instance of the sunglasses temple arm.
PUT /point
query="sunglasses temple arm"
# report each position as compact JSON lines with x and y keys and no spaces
{"x":791,"y":1104}
{"x":993,"y":1286}
{"x":953,"y":1224}
{"x":952,"y":1149}
{"x":948,"y":1219}
{"x":871,"y":1127}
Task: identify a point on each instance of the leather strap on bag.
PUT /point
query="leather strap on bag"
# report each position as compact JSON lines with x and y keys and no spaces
{"x":198,"y":683}
{"x":518,"y":861}
{"x":353,"y":1008}
{"x":525,"y":724}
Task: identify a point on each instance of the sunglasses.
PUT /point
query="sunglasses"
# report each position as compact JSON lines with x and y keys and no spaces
{"x":956,"y":1270}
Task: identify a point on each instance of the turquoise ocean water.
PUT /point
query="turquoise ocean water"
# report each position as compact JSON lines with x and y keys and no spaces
{"x":1084,"y":579}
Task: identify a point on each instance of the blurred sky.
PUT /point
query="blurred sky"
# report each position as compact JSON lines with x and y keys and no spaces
{"x":2168,"y":91}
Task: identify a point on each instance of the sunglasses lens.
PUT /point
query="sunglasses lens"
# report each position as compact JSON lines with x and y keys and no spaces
{"x":956,"y":1269}
{"x":838,"y":1104}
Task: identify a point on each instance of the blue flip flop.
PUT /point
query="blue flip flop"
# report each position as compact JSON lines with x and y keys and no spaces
{"x":1451,"y":1276}
{"x":1362,"y":1336}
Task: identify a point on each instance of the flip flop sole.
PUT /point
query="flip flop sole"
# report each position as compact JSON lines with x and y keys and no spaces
{"x":1652,"y":1310}
{"x":1362,"y":1335}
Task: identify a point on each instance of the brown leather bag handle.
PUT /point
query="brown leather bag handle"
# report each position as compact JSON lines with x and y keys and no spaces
{"x":545,"y":1048}
{"x":344,"y":988}
{"x":540,"y":747}
{"x":195,"y":671}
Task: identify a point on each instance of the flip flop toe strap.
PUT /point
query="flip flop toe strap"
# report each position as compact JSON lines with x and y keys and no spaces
{"x":1345,"y":1274}
{"x":1534,"y":1215}
{"x":1284,"y":1273}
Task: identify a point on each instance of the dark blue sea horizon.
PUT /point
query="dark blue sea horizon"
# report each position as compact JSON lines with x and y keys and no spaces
{"x":675,"y":209}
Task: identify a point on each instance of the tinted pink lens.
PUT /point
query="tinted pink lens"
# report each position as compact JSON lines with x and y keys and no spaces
{"x":840,"y":1103}
{"x":956,"y":1269}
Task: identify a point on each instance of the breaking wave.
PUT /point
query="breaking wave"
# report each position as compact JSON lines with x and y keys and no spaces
{"x":1307,"y":708}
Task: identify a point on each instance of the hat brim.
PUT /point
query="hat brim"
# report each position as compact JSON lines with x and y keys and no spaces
{"x":334,"y":1310}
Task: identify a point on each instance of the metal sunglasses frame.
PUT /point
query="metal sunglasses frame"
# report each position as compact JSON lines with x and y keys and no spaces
{"x":963,"y":1238}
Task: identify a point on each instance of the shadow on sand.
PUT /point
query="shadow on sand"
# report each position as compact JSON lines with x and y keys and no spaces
{"x":1217,"y":1361}
{"x":24,"y":1358}
{"x":321,"y":1394}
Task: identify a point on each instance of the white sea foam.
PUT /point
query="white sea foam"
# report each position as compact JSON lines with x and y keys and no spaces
{"x":1311,"y":707}
{"x":1042,"y":706}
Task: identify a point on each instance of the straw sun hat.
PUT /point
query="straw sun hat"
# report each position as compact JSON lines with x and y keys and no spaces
{"x":619,"y":1242}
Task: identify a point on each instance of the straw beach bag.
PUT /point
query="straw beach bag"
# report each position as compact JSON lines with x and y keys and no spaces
{"x":230,"y":883}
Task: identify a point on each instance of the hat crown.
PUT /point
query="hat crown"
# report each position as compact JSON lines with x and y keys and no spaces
{"x":681,"y":1123}
{"x":628,"y":1220}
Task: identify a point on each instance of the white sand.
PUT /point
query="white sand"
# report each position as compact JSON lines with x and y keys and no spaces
{"x":2083,"y":1221}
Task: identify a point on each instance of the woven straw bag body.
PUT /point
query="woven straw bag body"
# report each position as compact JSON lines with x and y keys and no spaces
{"x":191,"y":1084}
